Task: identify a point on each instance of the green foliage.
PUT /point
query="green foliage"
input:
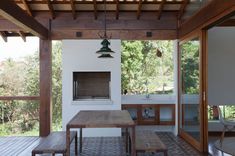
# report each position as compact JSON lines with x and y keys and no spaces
{"x":142,"y":71}
{"x":57,"y":85}
{"x":190,"y":67}
{"x":22,"y":78}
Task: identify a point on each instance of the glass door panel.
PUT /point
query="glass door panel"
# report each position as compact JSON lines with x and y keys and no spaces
{"x":190,"y":122}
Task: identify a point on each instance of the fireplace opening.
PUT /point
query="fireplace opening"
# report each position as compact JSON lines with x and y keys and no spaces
{"x":91,"y":85}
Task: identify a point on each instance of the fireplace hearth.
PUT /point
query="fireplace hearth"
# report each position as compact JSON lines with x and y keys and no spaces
{"x":91,"y":85}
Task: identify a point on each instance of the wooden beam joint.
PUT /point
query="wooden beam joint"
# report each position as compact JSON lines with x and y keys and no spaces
{"x":73,"y":9}
{"x":28,"y":10}
{"x":117,"y":9}
{"x":22,"y":35}
{"x":50,"y":7}
{"x":20,"y":18}
{"x":182,"y":9}
{"x":95,"y":10}
{"x":139,"y":9}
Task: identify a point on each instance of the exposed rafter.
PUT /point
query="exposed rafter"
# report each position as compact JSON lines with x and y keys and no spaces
{"x":51,"y":9}
{"x":227,"y":23}
{"x":73,"y":9}
{"x":95,"y":9}
{"x":27,"y":7}
{"x":123,"y":2}
{"x":20,"y":18}
{"x":182,"y":9}
{"x":3,"y":35}
{"x":22,"y":35}
{"x":161,"y":7}
{"x":139,"y":9}
{"x":117,"y":9}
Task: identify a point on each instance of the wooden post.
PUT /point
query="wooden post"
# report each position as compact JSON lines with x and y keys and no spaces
{"x":45,"y":87}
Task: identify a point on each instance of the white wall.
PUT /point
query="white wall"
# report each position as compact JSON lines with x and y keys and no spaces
{"x":221,"y":66}
{"x":79,"y":55}
{"x":221,"y":69}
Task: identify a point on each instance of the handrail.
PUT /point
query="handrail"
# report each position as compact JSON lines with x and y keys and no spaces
{"x":19,"y":97}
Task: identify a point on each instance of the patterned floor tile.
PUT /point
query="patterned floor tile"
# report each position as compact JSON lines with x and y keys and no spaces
{"x":115,"y":146}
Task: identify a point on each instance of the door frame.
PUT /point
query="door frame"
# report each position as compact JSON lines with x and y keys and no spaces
{"x":202,"y":146}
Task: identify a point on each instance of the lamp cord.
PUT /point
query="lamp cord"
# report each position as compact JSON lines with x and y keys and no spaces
{"x":105,"y":35}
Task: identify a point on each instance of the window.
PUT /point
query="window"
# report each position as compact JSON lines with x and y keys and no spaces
{"x":147,"y":67}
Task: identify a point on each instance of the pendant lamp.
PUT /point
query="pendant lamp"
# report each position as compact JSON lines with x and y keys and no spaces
{"x":105,"y":51}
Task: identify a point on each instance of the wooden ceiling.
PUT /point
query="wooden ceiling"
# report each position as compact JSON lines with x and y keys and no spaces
{"x":52,"y":6}
{"x":118,"y":8}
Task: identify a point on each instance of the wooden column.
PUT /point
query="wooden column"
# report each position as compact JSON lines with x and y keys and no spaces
{"x":45,"y":87}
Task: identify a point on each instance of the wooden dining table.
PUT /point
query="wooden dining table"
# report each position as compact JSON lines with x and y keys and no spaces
{"x":102,"y":119}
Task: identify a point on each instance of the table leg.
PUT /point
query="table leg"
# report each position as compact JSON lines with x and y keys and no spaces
{"x":133,"y":151}
{"x":68,"y":141}
{"x":80,"y":139}
{"x":76,"y":144}
{"x":126,"y":131}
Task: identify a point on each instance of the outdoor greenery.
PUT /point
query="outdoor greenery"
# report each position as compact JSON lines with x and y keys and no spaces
{"x":190,"y":67}
{"x":143,"y":71}
{"x":22,"y":78}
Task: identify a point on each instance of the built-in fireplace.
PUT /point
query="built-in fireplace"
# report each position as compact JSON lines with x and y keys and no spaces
{"x":91,"y":85}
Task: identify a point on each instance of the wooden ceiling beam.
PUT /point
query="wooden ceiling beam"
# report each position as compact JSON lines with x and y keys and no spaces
{"x":95,"y":9}
{"x":73,"y":9}
{"x":9,"y":26}
{"x":20,"y":18}
{"x":3,"y":35}
{"x":22,"y":35}
{"x":215,"y":11}
{"x":182,"y":9}
{"x":113,"y":24}
{"x":117,"y":9}
{"x":161,"y":7}
{"x":116,"y":34}
{"x":28,"y":10}
{"x":227,"y":23}
{"x":139,"y":9}
{"x":50,"y":9}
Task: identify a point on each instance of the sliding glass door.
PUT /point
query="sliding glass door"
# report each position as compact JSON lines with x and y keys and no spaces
{"x":190,"y":91}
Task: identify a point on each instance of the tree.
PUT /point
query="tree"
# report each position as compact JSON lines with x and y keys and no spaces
{"x":57,"y":83}
{"x":143,"y":72}
{"x":190,"y":67}
{"x":22,"y":78}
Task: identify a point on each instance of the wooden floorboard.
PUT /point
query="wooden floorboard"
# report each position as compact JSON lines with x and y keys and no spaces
{"x":16,"y":145}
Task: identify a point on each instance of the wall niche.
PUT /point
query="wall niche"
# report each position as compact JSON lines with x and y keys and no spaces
{"x":91,"y":85}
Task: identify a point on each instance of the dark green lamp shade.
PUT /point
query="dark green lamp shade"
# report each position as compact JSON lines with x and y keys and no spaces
{"x":105,"y":56}
{"x":105,"y":48}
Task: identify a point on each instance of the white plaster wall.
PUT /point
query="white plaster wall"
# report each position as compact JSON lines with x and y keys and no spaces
{"x":79,"y":55}
{"x":221,"y":71}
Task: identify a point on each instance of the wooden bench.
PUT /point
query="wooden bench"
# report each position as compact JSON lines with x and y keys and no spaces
{"x":148,"y":141}
{"x":55,"y":143}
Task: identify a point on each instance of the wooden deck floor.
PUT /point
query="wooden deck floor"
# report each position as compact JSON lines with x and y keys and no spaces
{"x":20,"y":146}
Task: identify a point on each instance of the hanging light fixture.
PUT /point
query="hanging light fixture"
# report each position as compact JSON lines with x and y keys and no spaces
{"x":159,"y":53}
{"x":105,"y":51}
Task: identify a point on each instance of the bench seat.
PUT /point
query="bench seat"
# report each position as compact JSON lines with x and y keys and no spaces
{"x":148,"y":141}
{"x":55,"y":143}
